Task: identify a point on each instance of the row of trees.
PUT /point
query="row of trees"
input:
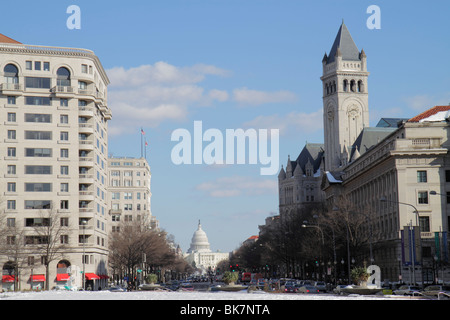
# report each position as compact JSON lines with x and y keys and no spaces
{"x":311,"y":242}
{"x":47,"y":238}
{"x":136,"y":247}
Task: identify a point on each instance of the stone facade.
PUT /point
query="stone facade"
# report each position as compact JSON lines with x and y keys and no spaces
{"x":54,"y":146}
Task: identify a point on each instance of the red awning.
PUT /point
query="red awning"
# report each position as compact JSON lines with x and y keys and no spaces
{"x":92,"y":276}
{"x":37,"y":278}
{"x":8,"y":278}
{"x":103,"y":276}
{"x":62,"y":277}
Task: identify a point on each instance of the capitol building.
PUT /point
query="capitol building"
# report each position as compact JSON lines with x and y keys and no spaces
{"x":200,"y":255}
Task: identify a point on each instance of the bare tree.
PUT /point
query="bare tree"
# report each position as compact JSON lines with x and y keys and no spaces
{"x":48,"y":238}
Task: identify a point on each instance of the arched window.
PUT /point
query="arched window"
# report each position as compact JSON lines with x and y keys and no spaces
{"x":352,"y":86}
{"x":345,"y":85}
{"x":63,"y":77}
{"x":334,"y":86}
{"x":360,"y":86}
{"x":11,"y":73}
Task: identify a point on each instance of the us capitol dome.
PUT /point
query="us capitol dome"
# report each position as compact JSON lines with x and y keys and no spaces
{"x":200,"y":256}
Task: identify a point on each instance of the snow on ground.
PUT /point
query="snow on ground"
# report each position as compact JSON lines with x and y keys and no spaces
{"x":173,"y":295}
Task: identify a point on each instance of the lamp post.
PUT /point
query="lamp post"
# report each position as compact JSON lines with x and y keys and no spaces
{"x":383,"y":199}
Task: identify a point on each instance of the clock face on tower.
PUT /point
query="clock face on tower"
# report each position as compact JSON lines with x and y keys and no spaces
{"x":330,"y":113}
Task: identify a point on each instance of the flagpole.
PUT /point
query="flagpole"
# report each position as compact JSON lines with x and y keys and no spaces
{"x":141,"y":141}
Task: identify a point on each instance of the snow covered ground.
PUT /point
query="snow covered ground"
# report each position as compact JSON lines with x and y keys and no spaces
{"x":190,"y":296}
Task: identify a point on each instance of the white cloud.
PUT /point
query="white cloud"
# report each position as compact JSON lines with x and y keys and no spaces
{"x":149,"y":95}
{"x":238,"y":186}
{"x":293,"y":121}
{"x":247,"y":97}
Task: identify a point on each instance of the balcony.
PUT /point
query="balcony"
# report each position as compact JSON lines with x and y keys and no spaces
{"x":11,"y":89}
{"x":85,"y":128}
{"x":63,"y":91}
{"x":86,"y":196}
{"x":86,"y":111}
{"x":86,"y":145}
{"x":86,"y":178}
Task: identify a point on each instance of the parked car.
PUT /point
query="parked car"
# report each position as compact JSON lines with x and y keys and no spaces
{"x":186,"y":286}
{"x":291,"y":288}
{"x":407,"y":290}
{"x":434,"y":290}
{"x":322,"y":286}
{"x":308,"y":289}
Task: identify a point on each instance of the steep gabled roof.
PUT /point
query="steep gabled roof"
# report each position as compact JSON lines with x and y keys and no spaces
{"x":313,"y":153}
{"x":347,"y":47}
{"x":5,"y":39}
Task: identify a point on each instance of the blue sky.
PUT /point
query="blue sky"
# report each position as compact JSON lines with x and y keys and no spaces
{"x":237,"y":64}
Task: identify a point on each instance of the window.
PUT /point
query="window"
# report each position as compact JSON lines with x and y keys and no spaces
{"x":37,"y":83}
{"x":82,"y":85}
{"x":11,"y":100}
{"x":11,"y":187}
{"x":64,"y":204}
{"x":64,"y":153}
{"x":423,"y":197}
{"x":37,"y":204}
{"x":12,"y":152}
{"x":64,"y":170}
{"x":128,"y":195}
{"x":63,"y":102}
{"x":421,"y":176}
{"x":37,"y":222}
{"x":11,"y":74}
{"x":38,"y":152}
{"x":64,"y":239}
{"x":38,"y":135}
{"x":447,"y":175}
{"x":64,"y":187}
{"x":37,"y":65}
{"x":11,"y":117}
{"x":11,"y":169}
{"x":29,"y":65}
{"x":39,"y":118}
{"x":38,"y":169}
{"x":12,"y":134}
{"x":424,"y":223}
{"x":63,"y":77}
{"x":46,"y":66}
{"x":84,"y":68}
{"x":64,"y":136}
{"x":64,"y":118}
{"x":11,"y":222}
{"x":38,"y":101}
{"x":38,"y":187}
{"x":11,"y":204}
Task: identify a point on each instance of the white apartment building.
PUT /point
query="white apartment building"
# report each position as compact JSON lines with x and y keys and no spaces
{"x":54,"y":147}
{"x":129,"y":196}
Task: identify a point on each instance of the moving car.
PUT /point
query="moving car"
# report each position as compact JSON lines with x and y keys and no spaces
{"x":407,"y":290}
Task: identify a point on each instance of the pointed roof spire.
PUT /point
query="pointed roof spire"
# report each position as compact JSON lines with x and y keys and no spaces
{"x":345,"y":45}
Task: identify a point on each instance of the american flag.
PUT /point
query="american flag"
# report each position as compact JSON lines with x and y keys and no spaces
{"x":142,"y":131}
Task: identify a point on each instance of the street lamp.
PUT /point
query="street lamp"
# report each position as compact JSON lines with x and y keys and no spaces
{"x":383,"y":199}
